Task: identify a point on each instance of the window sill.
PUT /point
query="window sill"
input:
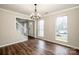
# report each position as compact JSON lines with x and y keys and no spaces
{"x":61,"y":39}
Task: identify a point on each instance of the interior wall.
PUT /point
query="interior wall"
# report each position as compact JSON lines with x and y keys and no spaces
{"x":73,"y":27}
{"x":8,"y":32}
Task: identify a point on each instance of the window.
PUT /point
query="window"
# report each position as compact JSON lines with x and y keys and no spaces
{"x":61,"y":28}
{"x":21,"y":27}
{"x":41,"y":28}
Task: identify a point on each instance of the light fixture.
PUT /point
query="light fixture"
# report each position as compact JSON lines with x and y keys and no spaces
{"x":35,"y":15}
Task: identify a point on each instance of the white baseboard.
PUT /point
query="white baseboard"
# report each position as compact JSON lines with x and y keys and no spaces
{"x":64,"y":44}
{"x":12,"y":43}
{"x":68,"y":45}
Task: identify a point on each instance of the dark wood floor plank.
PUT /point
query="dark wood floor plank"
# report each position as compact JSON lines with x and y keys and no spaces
{"x":37,"y":47}
{"x":9,"y":50}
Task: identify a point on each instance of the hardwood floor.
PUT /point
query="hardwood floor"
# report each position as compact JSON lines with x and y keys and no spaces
{"x":37,"y":47}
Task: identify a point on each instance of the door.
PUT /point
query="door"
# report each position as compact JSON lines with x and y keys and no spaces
{"x":41,"y":28}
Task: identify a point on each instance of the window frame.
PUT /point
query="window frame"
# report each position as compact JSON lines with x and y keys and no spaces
{"x":56,"y":30}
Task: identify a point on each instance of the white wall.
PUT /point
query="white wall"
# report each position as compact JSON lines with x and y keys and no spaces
{"x":73,"y":27}
{"x":8,"y":32}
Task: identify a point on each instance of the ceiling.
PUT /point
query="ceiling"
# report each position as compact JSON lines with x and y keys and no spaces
{"x":43,"y":9}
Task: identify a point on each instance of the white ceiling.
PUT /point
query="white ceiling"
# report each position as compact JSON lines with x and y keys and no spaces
{"x":43,"y":9}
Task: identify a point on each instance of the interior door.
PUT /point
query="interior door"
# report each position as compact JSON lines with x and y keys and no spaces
{"x":41,"y":29}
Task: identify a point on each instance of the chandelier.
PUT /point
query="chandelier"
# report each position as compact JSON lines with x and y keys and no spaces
{"x":35,"y":15}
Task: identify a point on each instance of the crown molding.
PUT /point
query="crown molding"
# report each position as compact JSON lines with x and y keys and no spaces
{"x":52,"y":13}
{"x":12,"y":12}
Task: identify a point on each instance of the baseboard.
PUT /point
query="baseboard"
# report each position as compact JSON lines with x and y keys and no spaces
{"x":77,"y":48}
{"x":66,"y":45}
{"x":12,"y":43}
{"x":69,"y":46}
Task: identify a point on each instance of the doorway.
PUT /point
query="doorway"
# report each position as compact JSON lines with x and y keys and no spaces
{"x":40,"y":29}
{"x":31,"y":28}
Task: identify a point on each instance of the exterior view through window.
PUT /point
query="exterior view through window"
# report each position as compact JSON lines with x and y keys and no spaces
{"x":21,"y":27}
{"x":40,"y":28}
{"x":61,"y":29}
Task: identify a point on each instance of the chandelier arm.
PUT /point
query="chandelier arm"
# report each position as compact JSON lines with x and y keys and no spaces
{"x":35,"y":7}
